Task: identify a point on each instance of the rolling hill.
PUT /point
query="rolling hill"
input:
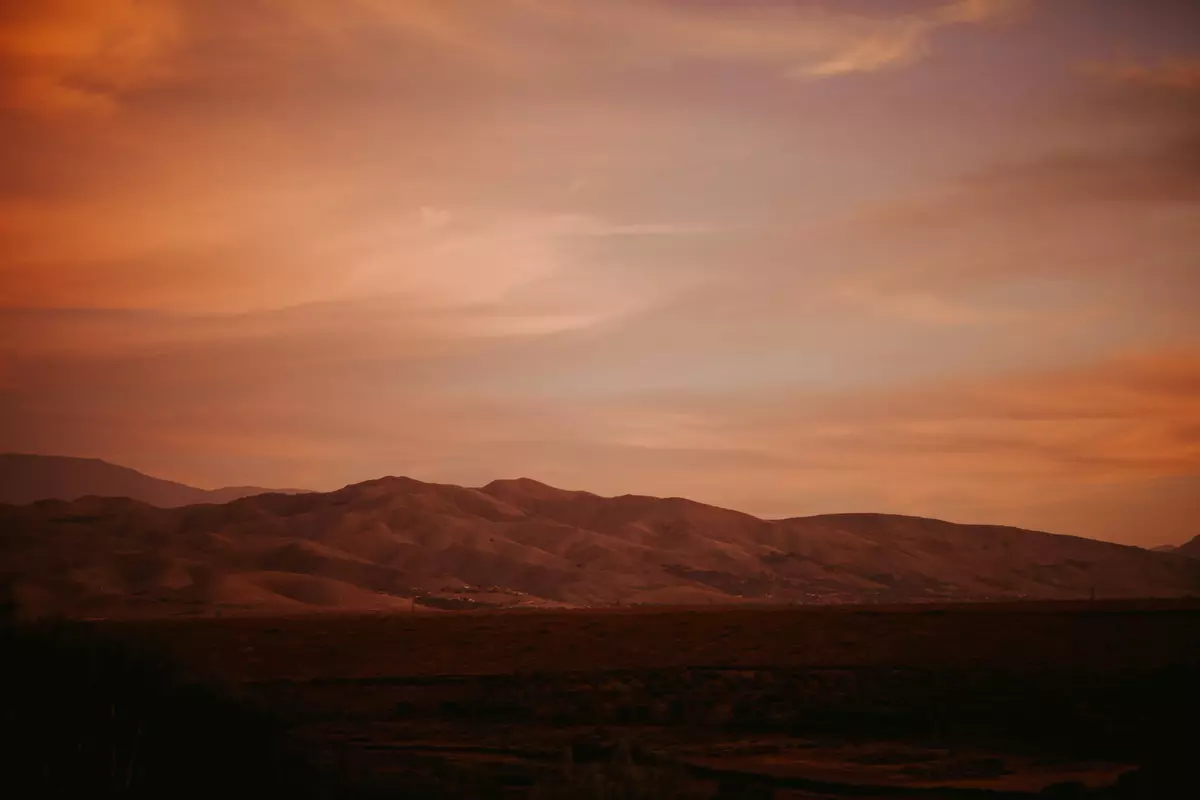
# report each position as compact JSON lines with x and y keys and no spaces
{"x":29,"y":478}
{"x":378,"y":545}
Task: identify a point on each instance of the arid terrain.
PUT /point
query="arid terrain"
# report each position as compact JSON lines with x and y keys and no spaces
{"x":984,"y":700}
{"x":401,"y":544}
{"x":520,"y":640}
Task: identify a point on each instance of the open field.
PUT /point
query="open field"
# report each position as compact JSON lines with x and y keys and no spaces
{"x":1004,"y":700}
{"x":1086,"y":637}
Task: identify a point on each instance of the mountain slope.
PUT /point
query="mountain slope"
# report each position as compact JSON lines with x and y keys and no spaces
{"x":29,"y":478}
{"x":378,"y":544}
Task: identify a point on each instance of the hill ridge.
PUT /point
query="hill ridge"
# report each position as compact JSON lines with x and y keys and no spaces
{"x":398,"y":542}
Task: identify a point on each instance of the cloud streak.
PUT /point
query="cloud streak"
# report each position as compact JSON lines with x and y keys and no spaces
{"x":804,"y":40}
{"x":69,"y":57}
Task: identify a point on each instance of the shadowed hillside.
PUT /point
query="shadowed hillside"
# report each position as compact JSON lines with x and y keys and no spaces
{"x":399,"y":543}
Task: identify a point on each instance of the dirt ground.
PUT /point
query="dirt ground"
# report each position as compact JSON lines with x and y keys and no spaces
{"x":997,"y":700}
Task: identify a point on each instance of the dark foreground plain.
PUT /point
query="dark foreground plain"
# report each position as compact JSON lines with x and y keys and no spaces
{"x":1088,"y":699}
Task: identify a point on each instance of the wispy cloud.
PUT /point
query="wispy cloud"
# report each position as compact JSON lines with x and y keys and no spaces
{"x":1081,"y":214}
{"x":923,"y":307}
{"x":807,"y":40}
{"x":81,"y":56}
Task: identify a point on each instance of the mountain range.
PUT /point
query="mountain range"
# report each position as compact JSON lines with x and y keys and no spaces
{"x":399,"y":543}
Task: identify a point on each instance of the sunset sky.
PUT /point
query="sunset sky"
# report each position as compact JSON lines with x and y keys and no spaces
{"x":934,"y":257}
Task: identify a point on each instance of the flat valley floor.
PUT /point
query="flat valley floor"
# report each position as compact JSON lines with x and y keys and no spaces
{"x":971,"y":700}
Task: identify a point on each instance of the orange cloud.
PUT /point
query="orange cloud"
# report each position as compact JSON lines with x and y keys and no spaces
{"x":80,"y":56}
{"x":953,"y":417}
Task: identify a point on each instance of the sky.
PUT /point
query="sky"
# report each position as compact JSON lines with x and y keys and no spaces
{"x":931,"y":257}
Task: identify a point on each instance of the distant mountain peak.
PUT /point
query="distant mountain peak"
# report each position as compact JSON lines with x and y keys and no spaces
{"x":527,"y":487}
{"x":27,"y":478}
{"x":390,"y":481}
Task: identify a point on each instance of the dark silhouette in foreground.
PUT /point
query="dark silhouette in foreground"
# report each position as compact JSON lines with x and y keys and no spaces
{"x":1084,"y":700}
{"x":86,"y":715}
